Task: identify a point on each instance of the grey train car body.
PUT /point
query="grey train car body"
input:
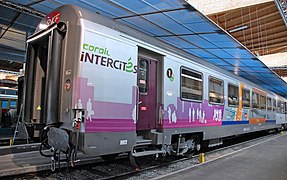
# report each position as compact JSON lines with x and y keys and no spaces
{"x":111,"y":88}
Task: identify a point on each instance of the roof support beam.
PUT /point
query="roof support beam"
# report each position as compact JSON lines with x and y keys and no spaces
{"x":282,"y":7}
{"x":248,"y":21}
{"x":255,"y":28}
{"x":264,"y":33}
{"x":16,"y":16}
{"x":232,"y":16}
{"x":23,"y":8}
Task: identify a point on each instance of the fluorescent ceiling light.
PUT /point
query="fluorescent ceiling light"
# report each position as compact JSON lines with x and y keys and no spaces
{"x":238,"y":29}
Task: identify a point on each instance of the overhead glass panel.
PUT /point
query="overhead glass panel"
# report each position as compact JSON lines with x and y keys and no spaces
{"x":26,"y":23}
{"x":221,"y":63}
{"x":173,"y":40}
{"x":109,"y":8}
{"x":220,"y":53}
{"x":204,"y":27}
{"x":45,"y":7}
{"x":243,"y":74}
{"x":230,"y":68}
{"x":266,"y":75}
{"x":163,"y":5}
{"x":7,"y":13}
{"x":167,"y":23}
{"x":138,"y":7}
{"x":218,"y":62}
{"x":218,"y":38}
{"x":234,"y":62}
{"x":252,"y":63}
{"x":201,"y":53}
{"x":144,"y":25}
{"x":21,"y":1}
{"x":262,"y":70}
{"x":197,"y":40}
{"x":247,"y":69}
{"x":226,"y":45}
{"x":186,"y":17}
{"x":239,"y":53}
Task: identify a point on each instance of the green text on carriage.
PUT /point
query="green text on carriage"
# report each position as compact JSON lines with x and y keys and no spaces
{"x":91,"y":48}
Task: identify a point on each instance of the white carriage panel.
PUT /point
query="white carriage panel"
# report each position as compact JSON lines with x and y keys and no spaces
{"x":171,"y":85}
{"x":113,"y":71}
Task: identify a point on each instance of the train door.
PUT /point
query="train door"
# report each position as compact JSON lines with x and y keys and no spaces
{"x":147,"y":84}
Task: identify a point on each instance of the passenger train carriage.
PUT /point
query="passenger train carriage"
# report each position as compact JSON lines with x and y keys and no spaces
{"x":104,"y":88}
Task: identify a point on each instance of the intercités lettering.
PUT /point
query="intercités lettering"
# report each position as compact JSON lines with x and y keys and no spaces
{"x":108,"y":62}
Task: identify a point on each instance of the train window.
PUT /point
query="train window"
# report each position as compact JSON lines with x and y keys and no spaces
{"x":233,"y":95}
{"x":191,"y":85}
{"x":279,"y":106}
{"x":274,"y":105}
{"x":143,"y":76}
{"x":215,"y":90}
{"x":283,"y":107}
{"x":269,"y":104}
{"x":255,"y":100}
{"x":246,"y":98}
{"x":5,"y":104}
{"x":262,"y":102}
{"x":13,"y":104}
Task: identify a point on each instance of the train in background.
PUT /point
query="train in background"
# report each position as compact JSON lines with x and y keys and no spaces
{"x":8,"y":101}
{"x":104,"y":88}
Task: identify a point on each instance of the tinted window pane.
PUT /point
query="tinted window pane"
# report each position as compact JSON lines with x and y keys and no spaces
{"x":191,"y":85}
{"x":279,"y":106}
{"x":215,"y":91}
{"x":233,"y":95}
{"x":274,"y":105}
{"x":13,"y":104}
{"x":269,"y":104}
{"x":246,"y":98}
{"x":263,"y":102}
{"x":255,"y":100}
{"x":4,"y":104}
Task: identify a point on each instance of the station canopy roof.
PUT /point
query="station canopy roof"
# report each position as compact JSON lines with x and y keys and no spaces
{"x":179,"y":24}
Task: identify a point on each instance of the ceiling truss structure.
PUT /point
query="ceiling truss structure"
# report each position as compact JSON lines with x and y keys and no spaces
{"x":259,"y":27}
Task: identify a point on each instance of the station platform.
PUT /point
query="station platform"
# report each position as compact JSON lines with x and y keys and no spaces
{"x":263,"y":161}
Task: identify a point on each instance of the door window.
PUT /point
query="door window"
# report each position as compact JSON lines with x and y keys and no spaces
{"x":143,"y":76}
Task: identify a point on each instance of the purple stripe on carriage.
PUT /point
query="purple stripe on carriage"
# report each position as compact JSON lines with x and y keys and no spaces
{"x":110,"y":125}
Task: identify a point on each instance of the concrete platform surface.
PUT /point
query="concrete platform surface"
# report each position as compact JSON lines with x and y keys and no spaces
{"x":264,"y":161}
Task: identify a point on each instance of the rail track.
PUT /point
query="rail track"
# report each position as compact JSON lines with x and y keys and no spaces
{"x":32,"y":165}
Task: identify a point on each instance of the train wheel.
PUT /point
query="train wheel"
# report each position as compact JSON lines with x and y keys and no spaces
{"x":109,"y":157}
{"x":72,"y":156}
{"x":194,"y":148}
